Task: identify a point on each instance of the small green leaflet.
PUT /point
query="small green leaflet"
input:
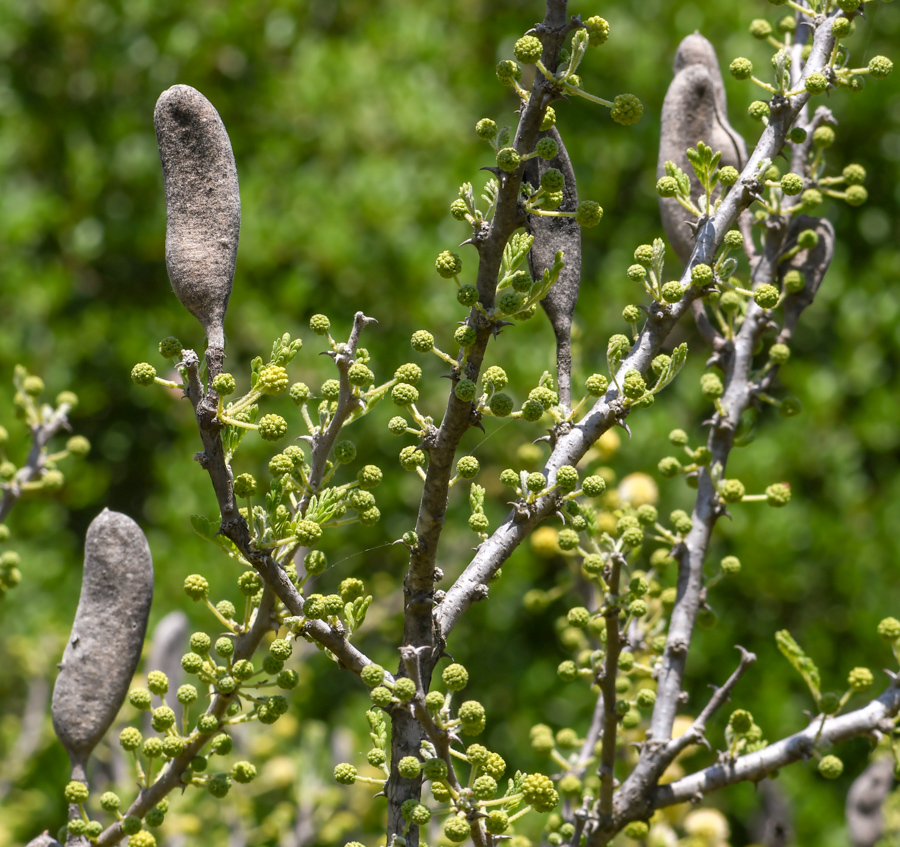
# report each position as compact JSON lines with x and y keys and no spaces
{"x":514,"y":254}
{"x":805,"y":666}
{"x":355,"y":612}
{"x":676,"y":363}
{"x":209,"y":530}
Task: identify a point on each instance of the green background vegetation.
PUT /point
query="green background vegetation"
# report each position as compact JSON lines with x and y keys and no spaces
{"x":352,"y":125}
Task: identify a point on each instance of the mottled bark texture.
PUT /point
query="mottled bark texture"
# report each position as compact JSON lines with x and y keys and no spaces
{"x":695,"y":109}
{"x":203,"y":206}
{"x":865,"y":821}
{"x":104,"y":648}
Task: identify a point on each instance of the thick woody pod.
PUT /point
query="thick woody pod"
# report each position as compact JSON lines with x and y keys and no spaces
{"x":695,"y":109}
{"x":551,"y":235}
{"x":104,"y":648}
{"x":43,"y":840}
{"x":203,"y":205}
{"x":865,"y":819}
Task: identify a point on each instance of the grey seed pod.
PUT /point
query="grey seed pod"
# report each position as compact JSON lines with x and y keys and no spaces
{"x":203,"y":205}
{"x":104,"y":648}
{"x":550,"y":235}
{"x":695,"y":109}
{"x":43,"y":840}
{"x":865,"y":819}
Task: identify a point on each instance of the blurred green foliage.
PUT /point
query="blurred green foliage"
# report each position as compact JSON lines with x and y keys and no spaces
{"x":352,"y":126}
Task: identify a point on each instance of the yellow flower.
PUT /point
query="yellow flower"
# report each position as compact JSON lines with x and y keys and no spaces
{"x":639,"y":489}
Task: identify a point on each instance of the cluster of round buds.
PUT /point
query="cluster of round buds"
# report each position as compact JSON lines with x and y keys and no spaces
{"x":448,"y":264}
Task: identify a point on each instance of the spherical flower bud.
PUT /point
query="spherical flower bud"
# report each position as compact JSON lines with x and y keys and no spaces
{"x":567,"y":478}
{"x":681,"y":520}
{"x":593,"y":486}
{"x":152,"y":748}
{"x":319,"y":324}
{"x":409,"y":766}
{"x":528,"y":49}
{"x":404,"y":689}
{"x":760,"y":29}
{"x":465,"y":390}
{"x":76,"y":792}
{"x":831,"y":767}
{"x":631,"y":314}
{"x":539,"y":792}
{"x":457,"y":829}
{"x":860,"y":679}
{"x":272,"y":427}
{"x":486,"y":129}
{"x":811,"y":199}
{"x":578,"y":617}
{"x":549,"y":119}
{"x":157,"y":682}
{"x":272,"y":379}
{"x":471,"y":712}
{"x":501,"y":405}
{"x":131,"y":825}
{"x":758,"y":110}
{"x":598,"y":30}
{"x":411,"y":458}
{"x":76,"y":826}
{"x":532,"y":410}
{"x":627,"y":109}
{"x":172,"y":746}
{"x":567,"y":539}
{"x":467,"y":295}
{"x":243,"y":772}
{"x":672,"y":291}
{"x":467,"y":467}
{"x":459,"y":210}
{"x":143,"y":374}
{"x":299,"y":393}
{"x":244,"y":485}
{"x":701,"y":274}
{"x":732,"y":490}
{"x":509,"y":73}
{"x":345,"y":452}
{"x":434,"y":701}
{"x":162,"y":718}
{"x":823,"y":136}
{"x":360,"y":375}
{"x":889,"y":629}
{"x":455,"y":677}
{"x":448,"y":264}
{"x":793,"y":281}
{"x":742,"y":68}
{"x":552,"y":180}
{"x":508,"y":159}
{"x":856,"y":195}
{"x":854,"y":174}
{"x":422,"y":341}
{"x":778,"y":494}
{"x":191,"y":662}
{"x":345,"y":774}
{"x":536,"y":481}
{"x":667,"y":186}
{"x":636,"y":273}
{"x":588,"y":213}
{"x":308,"y":532}
{"x":816,"y":83}
{"x":465,"y":335}
{"x":848,"y":5}
{"x":730,"y":565}
{"x":728,"y":175}
{"x":547,"y":149}
{"x":315,"y":562}
{"x":791,"y":184}
{"x":766,"y":296}
{"x":880,"y":67}
{"x":140,"y":698}
{"x":646,"y":697}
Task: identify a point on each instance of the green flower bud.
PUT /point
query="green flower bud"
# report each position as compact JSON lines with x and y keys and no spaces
{"x":434,"y":701}
{"x":244,"y":485}
{"x":78,"y":446}
{"x":854,"y":174}
{"x":410,"y":373}
{"x":485,"y":129}
{"x":272,"y":380}
{"x":823,"y":136}
{"x":728,"y":175}
{"x":143,"y":374}
{"x":669,"y":467}
{"x":681,"y":521}
{"x":315,"y":562}
{"x":272,"y":427}
{"x":758,"y":110}
{"x":732,"y":490}
{"x":701,"y":274}
{"x":457,"y":829}
{"x":672,"y":291}
{"x":539,"y":792}
{"x":191,"y":662}
{"x":856,"y":195}
{"x":528,"y":49}
{"x":131,"y":825}
{"x":567,"y":539}
{"x":860,"y":679}
{"x":465,"y":390}
{"x":778,"y":494}
{"x":730,"y":565}
{"x":588,"y":213}
{"x":567,"y":478}
{"x":596,"y":385}
{"x":889,"y":629}
{"x":740,"y":721}
{"x":360,"y":375}
{"x":549,"y":119}
{"x":152,"y":748}
{"x":598,"y":30}
{"x":509,"y":73}
{"x":798,"y":134}
{"x":319,"y":324}
{"x":742,"y":68}
{"x":816,"y":84}
{"x":631,"y":314}
{"x":140,"y":698}
{"x":766,"y":296}
{"x":411,"y":458}
{"x":532,"y":410}
{"x":508,"y":159}
{"x":791,"y":184}
{"x":76,"y":792}
{"x":459,"y":210}
{"x":627,"y":109}
{"x":448,"y":264}
{"x":880,"y":67}
{"x":811,"y":199}
{"x":667,"y":186}
{"x":831,"y":767}
{"x":547,"y":148}
{"x":593,"y":486}
{"x":465,"y":335}
{"x":422,"y":341}
{"x":467,"y":467}
{"x":536,"y":481}
{"x":760,"y":29}
{"x":345,"y":451}
{"x":467,"y":295}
